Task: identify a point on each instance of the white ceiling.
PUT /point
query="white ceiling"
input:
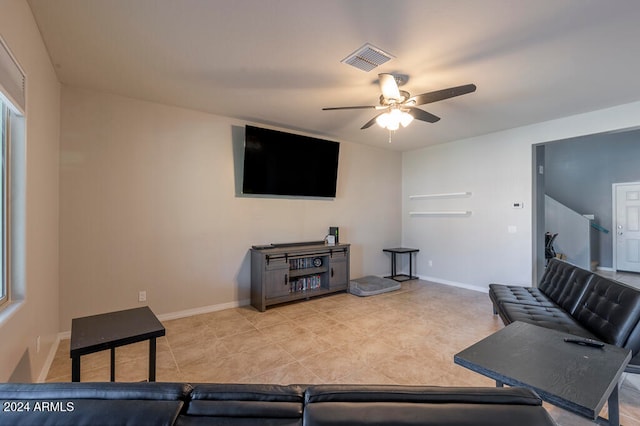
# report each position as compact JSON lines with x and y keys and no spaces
{"x":277,"y":62}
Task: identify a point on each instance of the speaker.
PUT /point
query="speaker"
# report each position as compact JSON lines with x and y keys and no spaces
{"x":334,"y":231}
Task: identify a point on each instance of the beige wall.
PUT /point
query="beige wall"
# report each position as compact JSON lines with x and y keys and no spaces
{"x":37,"y":313}
{"x":148,"y":202}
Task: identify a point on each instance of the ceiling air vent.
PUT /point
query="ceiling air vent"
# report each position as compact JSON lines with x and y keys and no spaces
{"x":367,"y":58}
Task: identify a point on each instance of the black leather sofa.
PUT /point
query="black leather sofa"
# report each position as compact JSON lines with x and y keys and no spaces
{"x":575,"y":301}
{"x":180,"y":404}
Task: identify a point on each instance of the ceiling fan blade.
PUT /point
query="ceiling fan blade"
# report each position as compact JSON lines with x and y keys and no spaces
{"x":439,"y":95}
{"x":350,"y":107}
{"x":370,"y":122}
{"x":422,"y":115}
{"x":389,"y":87}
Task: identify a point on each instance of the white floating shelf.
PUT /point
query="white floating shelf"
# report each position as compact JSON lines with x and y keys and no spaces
{"x":445,"y":195}
{"x":442,"y":213}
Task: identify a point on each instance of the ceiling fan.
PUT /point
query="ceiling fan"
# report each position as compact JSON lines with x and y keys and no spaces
{"x":399,"y":107}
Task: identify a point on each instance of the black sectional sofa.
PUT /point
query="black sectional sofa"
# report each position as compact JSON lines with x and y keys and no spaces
{"x":575,"y":301}
{"x":180,"y":404}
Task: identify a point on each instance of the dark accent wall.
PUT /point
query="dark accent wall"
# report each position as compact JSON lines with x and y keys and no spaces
{"x":579,"y":173}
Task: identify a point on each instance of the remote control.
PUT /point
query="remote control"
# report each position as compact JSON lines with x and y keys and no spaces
{"x":584,"y":342}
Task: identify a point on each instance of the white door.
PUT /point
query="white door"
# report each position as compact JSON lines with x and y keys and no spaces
{"x":627,"y":226}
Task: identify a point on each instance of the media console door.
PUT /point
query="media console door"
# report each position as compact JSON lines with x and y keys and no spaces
{"x":290,"y":272}
{"x":276,"y":278}
{"x":339,"y":270}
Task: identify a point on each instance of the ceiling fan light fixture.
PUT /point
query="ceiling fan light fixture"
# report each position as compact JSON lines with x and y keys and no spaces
{"x":406,"y":119}
{"x":393,"y":125}
{"x":383,"y":120}
{"x":393,"y":119}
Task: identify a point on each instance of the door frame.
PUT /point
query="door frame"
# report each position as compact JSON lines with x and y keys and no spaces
{"x":614,"y":218}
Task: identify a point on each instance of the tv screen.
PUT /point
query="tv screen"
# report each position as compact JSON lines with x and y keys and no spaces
{"x":279,"y":163}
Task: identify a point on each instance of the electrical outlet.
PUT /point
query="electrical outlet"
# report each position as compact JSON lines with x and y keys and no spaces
{"x":430,"y":263}
{"x":142,"y":296}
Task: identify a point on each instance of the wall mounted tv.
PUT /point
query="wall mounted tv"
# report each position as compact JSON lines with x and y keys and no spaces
{"x":284,"y":164}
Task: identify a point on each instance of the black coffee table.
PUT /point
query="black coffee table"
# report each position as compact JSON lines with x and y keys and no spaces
{"x":577,"y":378}
{"x":108,"y":331}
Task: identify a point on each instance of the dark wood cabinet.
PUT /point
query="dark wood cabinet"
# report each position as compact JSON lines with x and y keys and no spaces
{"x":286,"y":272}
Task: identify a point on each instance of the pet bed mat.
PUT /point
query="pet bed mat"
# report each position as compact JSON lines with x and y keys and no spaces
{"x":371,"y":285}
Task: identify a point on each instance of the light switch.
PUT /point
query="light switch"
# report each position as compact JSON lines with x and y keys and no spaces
{"x":512,"y":229}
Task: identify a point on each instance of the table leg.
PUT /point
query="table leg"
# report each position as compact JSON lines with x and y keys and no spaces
{"x":410,"y":266}
{"x":152,"y":359}
{"x":499,"y":384}
{"x":113,"y":364}
{"x":393,"y":265}
{"x":75,"y":369}
{"x":614,"y":407}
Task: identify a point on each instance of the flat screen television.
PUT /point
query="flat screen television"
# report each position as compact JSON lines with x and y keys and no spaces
{"x":284,"y":164}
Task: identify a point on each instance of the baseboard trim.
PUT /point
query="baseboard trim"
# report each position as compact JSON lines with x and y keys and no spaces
{"x":455,"y":284}
{"x":605,"y":268}
{"x":203,"y":310}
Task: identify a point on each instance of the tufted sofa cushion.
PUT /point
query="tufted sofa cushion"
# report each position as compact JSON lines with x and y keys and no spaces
{"x":554,"y":318}
{"x":555,"y":276}
{"x":610,"y":310}
{"x":573,"y":291}
{"x":564,"y":283}
{"x":500,"y":293}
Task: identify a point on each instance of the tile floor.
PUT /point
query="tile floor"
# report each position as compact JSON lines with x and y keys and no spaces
{"x":405,"y":337}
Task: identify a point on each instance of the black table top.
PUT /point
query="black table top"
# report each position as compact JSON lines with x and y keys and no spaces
{"x":401,"y":250}
{"x":99,"y":332}
{"x":575,"y":377}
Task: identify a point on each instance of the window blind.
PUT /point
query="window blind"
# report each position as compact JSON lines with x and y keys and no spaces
{"x":12,"y":80}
